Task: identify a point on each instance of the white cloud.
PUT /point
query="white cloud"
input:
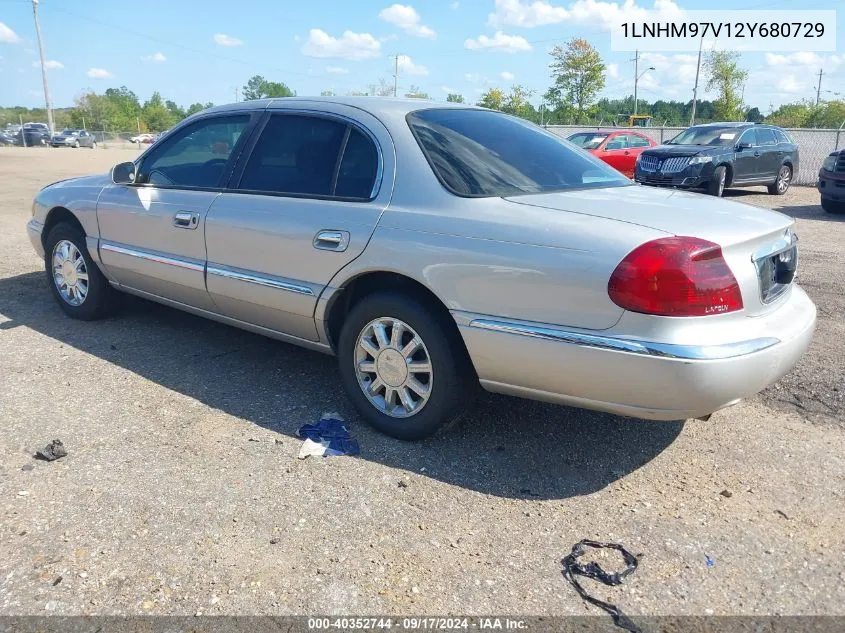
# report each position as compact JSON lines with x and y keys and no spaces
{"x":790,"y":84}
{"x":354,"y":46}
{"x":586,"y":12}
{"x":7,"y":35}
{"x":50,"y":64}
{"x":407,"y":19}
{"x":448,"y":89}
{"x":296,"y":38}
{"x":337,"y":70}
{"x":804,"y":58}
{"x":455,"y":5}
{"x":613,"y":71}
{"x":99,"y":73}
{"x":408,"y":67}
{"x":669,"y":71}
{"x":155,"y":57}
{"x":500,"y":42}
{"x":507,"y":76}
{"x":472,"y":77}
{"x":226,"y":40}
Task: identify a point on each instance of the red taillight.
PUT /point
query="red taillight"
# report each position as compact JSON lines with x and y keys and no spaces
{"x":675,"y":276}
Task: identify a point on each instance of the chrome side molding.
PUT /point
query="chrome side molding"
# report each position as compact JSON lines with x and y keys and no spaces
{"x":259,"y":280}
{"x":631,"y":346}
{"x":152,"y":257}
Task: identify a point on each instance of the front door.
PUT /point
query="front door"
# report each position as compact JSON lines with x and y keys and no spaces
{"x":746,"y":159}
{"x":616,"y":153}
{"x":306,"y":203}
{"x":770,"y":156}
{"x":152,"y":232}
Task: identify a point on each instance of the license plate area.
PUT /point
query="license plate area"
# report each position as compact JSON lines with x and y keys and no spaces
{"x":776,"y":267}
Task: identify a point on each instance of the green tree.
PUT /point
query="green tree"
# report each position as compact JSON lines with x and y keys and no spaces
{"x":494,"y":99}
{"x":126,"y":108}
{"x":175,"y":110}
{"x":829,"y":114}
{"x":454,"y":98}
{"x":725,"y":77}
{"x":578,"y":73}
{"x":516,"y":102}
{"x":259,"y":88}
{"x":194,"y":108}
{"x":156,"y":115}
{"x":753,"y":114}
{"x":792,"y":115}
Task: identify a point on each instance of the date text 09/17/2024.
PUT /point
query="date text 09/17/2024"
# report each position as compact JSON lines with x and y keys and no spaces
{"x":417,"y":623}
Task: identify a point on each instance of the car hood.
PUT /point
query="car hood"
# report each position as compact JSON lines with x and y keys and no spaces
{"x":669,"y":210}
{"x":665,"y":151}
{"x":99,"y":180}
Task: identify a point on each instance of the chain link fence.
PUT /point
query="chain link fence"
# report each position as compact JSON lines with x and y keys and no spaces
{"x":813,"y":144}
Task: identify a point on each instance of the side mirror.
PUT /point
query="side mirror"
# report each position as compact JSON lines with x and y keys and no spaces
{"x":742,"y":146}
{"x":123,"y":174}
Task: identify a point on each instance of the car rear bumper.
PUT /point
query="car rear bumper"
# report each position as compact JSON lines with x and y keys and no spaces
{"x":633,"y":377}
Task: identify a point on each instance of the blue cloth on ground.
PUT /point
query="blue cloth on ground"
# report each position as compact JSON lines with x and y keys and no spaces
{"x":333,"y":434}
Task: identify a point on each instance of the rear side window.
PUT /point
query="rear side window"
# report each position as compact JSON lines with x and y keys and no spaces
{"x":618,"y":142}
{"x":782,"y":136}
{"x":766,"y":136}
{"x":479,"y":153}
{"x":296,"y":155}
{"x":358,"y":167}
{"x":638,"y":141}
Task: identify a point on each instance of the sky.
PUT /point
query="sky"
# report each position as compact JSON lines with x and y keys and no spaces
{"x":192,"y":51}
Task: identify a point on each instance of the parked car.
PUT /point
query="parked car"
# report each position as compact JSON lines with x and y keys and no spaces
{"x":7,"y":137}
{"x":831,"y":183}
{"x":714,"y":156}
{"x":33,"y":134}
{"x":431,"y":246}
{"x":73,"y":138}
{"x":619,"y":149}
{"x":142,"y":138}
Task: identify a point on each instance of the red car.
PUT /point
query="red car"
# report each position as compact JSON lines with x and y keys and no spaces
{"x":618,"y":148}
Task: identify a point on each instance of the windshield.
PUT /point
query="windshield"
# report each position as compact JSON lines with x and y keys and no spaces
{"x":478,"y":153}
{"x":587,"y":140}
{"x":710,"y":135}
{"x":68,"y":132}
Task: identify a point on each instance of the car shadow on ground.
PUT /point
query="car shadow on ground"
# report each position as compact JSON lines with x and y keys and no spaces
{"x":506,"y":447}
{"x":806,"y":212}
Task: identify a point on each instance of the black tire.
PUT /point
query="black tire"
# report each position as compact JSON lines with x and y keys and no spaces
{"x":831,"y":206}
{"x":101,"y":298}
{"x":716,"y":187}
{"x":453,"y":383}
{"x":782,"y":181}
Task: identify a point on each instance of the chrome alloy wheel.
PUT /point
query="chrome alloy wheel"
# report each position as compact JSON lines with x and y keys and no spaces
{"x":784,"y":176}
{"x":393,"y":367}
{"x":70,"y":273}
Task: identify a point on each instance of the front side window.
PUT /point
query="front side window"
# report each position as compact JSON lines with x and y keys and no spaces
{"x":298,"y":155}
{"x":638,"y":141}
{"x":750,"y":137}
{"x":478,"y":153}
{"x":196,"y":156}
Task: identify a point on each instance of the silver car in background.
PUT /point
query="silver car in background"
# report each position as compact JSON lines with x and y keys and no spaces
{"x":73,"y":138}
{"x":431,"y":247}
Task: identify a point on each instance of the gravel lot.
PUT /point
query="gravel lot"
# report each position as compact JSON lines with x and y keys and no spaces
{"x":182,"y":492}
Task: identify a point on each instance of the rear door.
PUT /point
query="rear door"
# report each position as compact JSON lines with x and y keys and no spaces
{"x":301,"y":205}
{"x":771,"y":154}
{"x":747,"y":160}
{"x":152,"y":231}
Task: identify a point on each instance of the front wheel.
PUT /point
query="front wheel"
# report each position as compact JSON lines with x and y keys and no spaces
{"x":93,"y":144}
{"x":404,"y":366}
{"x":781,"y":183}
{"x":716,"y":187}
{"x":76,"y":145}
{"x":77,"y":284}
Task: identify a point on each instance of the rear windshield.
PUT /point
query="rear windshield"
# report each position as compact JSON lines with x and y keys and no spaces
{"x":707,"y":135}
{"x":479,"y":153}
{"x":587,"y":140}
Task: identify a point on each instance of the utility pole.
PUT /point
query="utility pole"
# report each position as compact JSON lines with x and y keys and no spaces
{"x":695,"y":89}
{"x":819,"y":87}
{"x":396,"y":73}
{"x":636,"y":78}
{"x":236,"y":94}
{"x":43,"y":67}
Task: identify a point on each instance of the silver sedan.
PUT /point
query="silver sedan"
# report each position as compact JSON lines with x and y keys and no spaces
{"x":432,"y":247}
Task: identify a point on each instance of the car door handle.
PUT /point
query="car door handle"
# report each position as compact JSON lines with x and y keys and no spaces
{"x":332,"y":240}
{"x":627,"y":153}
{"x":186,"y":220}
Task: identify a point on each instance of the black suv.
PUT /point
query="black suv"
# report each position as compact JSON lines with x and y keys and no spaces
{"x":831,"y":184}
{"x":718,"y":155}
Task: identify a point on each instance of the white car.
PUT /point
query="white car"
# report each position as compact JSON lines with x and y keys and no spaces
{"x":142,"y":138}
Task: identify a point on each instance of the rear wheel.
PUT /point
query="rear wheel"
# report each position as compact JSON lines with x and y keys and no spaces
{"x":716,"y":187}
{"x":781,"y":184}
{"x":93,"y":144}
{"x":832,"y":206}
{"x":75,"y":281}
{"x":404,"y":366}
{"x":76,"y":144}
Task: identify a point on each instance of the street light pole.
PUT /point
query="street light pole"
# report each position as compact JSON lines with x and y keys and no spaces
{"x":636,"y":78}
{"x":695,"y":89}
{"x":43,"y":67}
